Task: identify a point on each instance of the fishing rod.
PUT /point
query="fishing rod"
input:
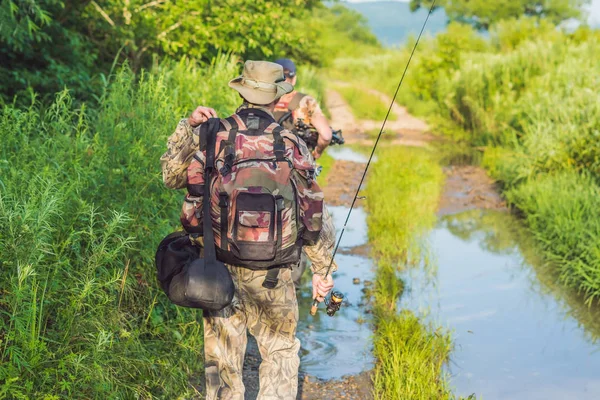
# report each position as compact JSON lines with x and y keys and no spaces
{"x":337,"y":297}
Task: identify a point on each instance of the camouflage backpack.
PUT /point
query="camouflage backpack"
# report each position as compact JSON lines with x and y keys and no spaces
{"x":265,"y":203}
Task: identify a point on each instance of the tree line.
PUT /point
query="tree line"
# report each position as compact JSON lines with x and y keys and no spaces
{"x":46,"y":45}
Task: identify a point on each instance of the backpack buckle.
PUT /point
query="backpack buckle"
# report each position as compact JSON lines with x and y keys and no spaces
{"x":223,"y":200}
{"x":280,"y":203}
{"x":271,"y":279}
{"x":225,"y":170}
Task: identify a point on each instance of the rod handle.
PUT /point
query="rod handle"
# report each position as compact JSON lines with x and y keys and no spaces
{"x":315,"y":305}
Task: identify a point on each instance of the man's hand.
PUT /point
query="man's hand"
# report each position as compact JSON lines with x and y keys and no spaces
{"x":321,"y":286}
{"x":316,"y":154}
{"x":201,"y":115}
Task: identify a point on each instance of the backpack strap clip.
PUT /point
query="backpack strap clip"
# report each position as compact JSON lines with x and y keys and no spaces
{"x":279,"y":146}
{"x":271,"y":279}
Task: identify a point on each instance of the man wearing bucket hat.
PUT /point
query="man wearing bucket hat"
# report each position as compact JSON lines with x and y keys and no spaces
{"x":264,"y":306}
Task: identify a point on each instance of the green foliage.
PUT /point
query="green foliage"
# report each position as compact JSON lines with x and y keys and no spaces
{"x":331,"y":33}
{"x":483,"y":13}
{"x":530,"y":98}
{"x":38,"y":48}
{"x":411,"y":356}
{"x":373,"y":69}
{"x":436,"y":60}
{"x":311,"y":82}
{"x":364,"y":104}
{"x":508,"y":34}
{"x":326,"y":162}
{"x":563,"y":212}
{"x":50,"y":44}
{"x":402,"y":194}
{"x":82,"y":208}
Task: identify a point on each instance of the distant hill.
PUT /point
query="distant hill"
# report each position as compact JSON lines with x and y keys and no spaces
{"x":393,"y":22}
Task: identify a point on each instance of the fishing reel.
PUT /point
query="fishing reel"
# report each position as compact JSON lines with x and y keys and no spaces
{"x":333,"y":305}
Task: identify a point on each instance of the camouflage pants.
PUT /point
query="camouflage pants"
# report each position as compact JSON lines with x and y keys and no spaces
{"x":271,"y":316}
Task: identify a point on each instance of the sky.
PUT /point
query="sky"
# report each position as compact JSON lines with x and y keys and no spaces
{"x":594,"y":8}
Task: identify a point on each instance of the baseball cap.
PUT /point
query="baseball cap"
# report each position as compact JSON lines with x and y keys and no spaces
{"x":288,"y":65}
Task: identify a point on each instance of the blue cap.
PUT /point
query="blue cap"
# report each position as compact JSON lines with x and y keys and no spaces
{"x":289,"y":68}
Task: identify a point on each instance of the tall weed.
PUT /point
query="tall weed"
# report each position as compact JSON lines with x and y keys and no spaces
{"x":563,"y":212}
{"x":402,"y":195}
{"x":82,"y":208}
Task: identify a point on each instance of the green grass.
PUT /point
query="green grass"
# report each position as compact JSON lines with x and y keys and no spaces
{"x":82,"y":209}
{"x":410,"y":357}
{"x":402,"y":194}
{"x":326,"y":161}
{"x":364,"y":105}
{"x":563,"y":212}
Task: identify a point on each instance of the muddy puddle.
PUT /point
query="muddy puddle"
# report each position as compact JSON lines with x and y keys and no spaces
{"x":517,"y":334}
{"x":333,"y":347}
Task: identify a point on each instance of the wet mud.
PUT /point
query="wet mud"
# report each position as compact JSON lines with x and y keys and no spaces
{"x":469,"y":187}
{"x":342,"y":182}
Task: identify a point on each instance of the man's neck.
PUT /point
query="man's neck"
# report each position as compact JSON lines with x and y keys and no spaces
{"x":268,"y":109}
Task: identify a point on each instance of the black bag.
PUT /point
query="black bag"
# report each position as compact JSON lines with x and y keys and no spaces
{"x":187,"y":279}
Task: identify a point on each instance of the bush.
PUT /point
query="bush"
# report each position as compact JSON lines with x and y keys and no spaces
{"x":82,"y":208}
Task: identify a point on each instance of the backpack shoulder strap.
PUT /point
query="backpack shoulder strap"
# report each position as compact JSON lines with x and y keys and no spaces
{"x":226,"y":124}
{"x":295,"y":102}
{"x":229,"y":145}
{"x":212,"y":129}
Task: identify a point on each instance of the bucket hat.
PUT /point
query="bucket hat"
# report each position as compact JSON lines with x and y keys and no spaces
{"x":261,"y":82}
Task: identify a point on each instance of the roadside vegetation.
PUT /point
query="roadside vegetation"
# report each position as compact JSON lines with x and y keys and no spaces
{"x":82,"y":204}
{"x":402,"y":196}
{"x":528,"y":98}
{"x":82,"y":208}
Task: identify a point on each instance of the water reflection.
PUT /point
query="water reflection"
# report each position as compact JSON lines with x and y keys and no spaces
{"x":341,"y":345}
{"x":517,"y":334}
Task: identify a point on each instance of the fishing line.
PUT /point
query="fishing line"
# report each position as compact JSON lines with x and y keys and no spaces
{"x":378,"y":137}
